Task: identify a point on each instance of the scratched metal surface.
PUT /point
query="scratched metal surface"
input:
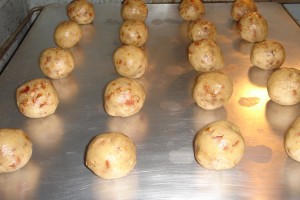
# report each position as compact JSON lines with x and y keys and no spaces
{"x":164,"y":129}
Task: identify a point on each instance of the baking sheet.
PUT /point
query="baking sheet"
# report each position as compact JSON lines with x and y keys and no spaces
{"x":164,"y":129}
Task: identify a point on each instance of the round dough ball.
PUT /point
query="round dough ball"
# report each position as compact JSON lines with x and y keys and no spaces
{"x":205,"y":55}
{"x":111,"y":155}
{"x":67,"y":34}
{"x":133,"y":32}
{"x":130,"y":61}
{"x":191,"y":10}
{"x":81,"y":11}
{"x":241,"y":7}
{"x":219,"y":145}
{"x":267,"y":54}
{"x":56,"y":62}
{"x":292,"y":140}
{"x":16,"y":149}
{"x":123,"y":97}
{"x":200,"y":29}
{"x":134,"y":9}
{"x":37,"y":98}
{"x":253,"y":27}
{"x":284,"y":86}
{"x":212,"y":90}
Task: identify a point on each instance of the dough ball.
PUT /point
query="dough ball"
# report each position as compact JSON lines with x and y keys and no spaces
{"x":111,"y":155}
{"x":212,"y":90}
{"x":267,"y":55}
{"x":205,"y":55}
{"x":253,"y":27}
{"x":219,"y":145}
{"x":134,"y":9}
{"x":284,"y":86}
{"x":133,"y":32}
{"x":16,"y":149}
{"x":67,"y":34}
{"x":37,"y":98}
{"x":123,"y":97}
{"x":200,"y":29}
{"x":292,"y":140}
{"x":191,"y":10}
{"x":241,"y":7}
{"x":56,"y":62}
{"x":130,"y":61}
{"x":81,"y":11}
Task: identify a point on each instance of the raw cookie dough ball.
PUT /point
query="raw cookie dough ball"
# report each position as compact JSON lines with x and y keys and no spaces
{"x":219,"y":145}
{"x":191,"y":10}
{"x":200,"y":29}
{"x":67,"y":34}
{"x":241,"y":7}
{"x":130,"y":61}
{"x":123,"y":97}
{"x":292,"y":140}
{"x":212,"y":90}
{"x":56,"y":62}
{"x":37,"y":98}
{"x":16,"y":149}
{"x":134,"y":9}
{"x":133,"y":32}
{"x":81,"y":11}
{"x":111,"y":155}
{"x":284,"y":86}
{"x":267,"y":54}
{"x":253,"y":27}
{"x":205,"y":55}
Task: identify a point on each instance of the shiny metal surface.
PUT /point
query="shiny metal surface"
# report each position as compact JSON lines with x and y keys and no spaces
{"x":164,"y":129}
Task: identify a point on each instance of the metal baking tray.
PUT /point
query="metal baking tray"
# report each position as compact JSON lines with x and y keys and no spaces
{"x":164,"y":129}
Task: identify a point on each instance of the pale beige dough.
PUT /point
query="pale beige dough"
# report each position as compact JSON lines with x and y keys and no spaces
{"x":219,"y":145}
{"x":212,"y":90}
{"x":241,"y":7}
{"x":133,"y":32}
{"x":130,"y":61}
{"x":134,"y":9}
{"x":67,"y":34}
{"x":37,"y":98}
{"x":123,"y":97}
{"x":16,"y":149}
{"x":284,"y":86}
{"x":56,"y":62}
{"x":191,"y":10}
{"x":267,"y":54}
{"x":201,"y":29}
{"x":253,"y":27}
{"x":205,"y":55}
{"x":292,"y":140}
{"x":81,"y":11}
{"x":111,"y":155}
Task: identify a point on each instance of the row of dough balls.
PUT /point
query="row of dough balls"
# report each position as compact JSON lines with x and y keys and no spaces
{"x":125,"y":96}
{"x":219,"y":145}
{"x":38,"y":98}
{"x":58,"y":62}
{"x":284,"y":84}
{"x":112,"y":155}
{"x":213,"y":88}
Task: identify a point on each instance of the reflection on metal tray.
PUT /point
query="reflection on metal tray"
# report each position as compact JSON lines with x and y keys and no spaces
{"x":164,"y":129}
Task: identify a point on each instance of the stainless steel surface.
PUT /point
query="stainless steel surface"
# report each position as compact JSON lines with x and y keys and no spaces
{"x":164,"y":129}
